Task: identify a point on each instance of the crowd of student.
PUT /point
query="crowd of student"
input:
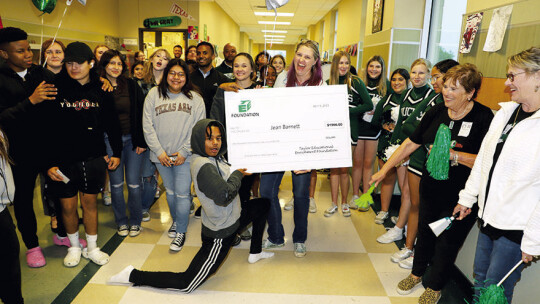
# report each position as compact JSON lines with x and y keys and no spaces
{"x":81,"y":114}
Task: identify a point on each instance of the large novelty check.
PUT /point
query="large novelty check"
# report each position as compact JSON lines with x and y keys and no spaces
{"x":282,"y":129}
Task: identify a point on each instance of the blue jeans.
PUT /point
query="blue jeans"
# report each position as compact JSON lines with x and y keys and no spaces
{"x":269,"y":189}
{"x":149,"y":181}
{"x":492,"y":261}
{"x":130,"y":163}
{"x":177,"y":182}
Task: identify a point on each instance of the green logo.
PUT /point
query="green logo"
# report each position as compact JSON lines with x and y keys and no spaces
{"x":244,"y":106}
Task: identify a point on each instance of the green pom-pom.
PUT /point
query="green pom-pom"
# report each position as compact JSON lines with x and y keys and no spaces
{"x":365,"y":199}
{"x":493,"y":294}
{"x":438,"y":162}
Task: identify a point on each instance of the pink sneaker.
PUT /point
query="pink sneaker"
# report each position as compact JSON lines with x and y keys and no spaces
{"x":65,"y":241}
{"x":35,"y":258}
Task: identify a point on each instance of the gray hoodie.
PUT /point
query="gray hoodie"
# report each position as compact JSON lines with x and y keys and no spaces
{"x":216,"y":187}
{"x":167,"y":123}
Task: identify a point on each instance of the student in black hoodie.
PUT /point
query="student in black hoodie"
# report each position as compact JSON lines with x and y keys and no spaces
{"x":23,"y":88}
{"x":77,"y":120}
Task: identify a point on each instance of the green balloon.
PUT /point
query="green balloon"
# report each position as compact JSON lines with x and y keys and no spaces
{"x":46,"y":6}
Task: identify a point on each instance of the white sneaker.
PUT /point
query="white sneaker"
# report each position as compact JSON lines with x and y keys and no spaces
{"x":394,"y":219}
{"x":407,"y":263}
{"x":352,"y":205}
{"x":330,"y":211}
{"x":289,"y":205}
{"x":107,"y":200}
{"x":73,"y":257}
{"x":392,"y":235}
{"x":401,"y":255}
{"x":381,"y":216}
{"x":312,"y":205}
{"x":97,"y":256}
{"x":345,"y":210}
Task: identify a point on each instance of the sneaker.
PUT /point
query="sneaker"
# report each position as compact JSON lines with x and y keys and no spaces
{"x":408,"y":285}
{"x":352,"y":205}
{"x":429,"y":296}
{"x":330,"y":211}
{"x":172,"y":231}
{"x":237,"y":240}
{"x":134,"y":230}
{"x":35,"y":258}
{"x":73,"y":257}
{"x":407,"y":263}
{"x":299,"y":250}
{"x":345,"y":210}
{"x":97,"y":256}
{"x":146,"y":216}
{"x":289,"y":205}
{"x":178,"y":242}
{"x":269,"y":245}
{"x":401,"y":255}
{"x":107,"y":200}
{"x":312,"y":205}
{"x":393,"y":234}
{"x":123,"y":230}
{"x":198,"y":213}
{"x":381,"y":216}
{"x":192,"y":208}
{"x":65,"y":241}
{"x":245,"y":235}
{"x":394,"y":219}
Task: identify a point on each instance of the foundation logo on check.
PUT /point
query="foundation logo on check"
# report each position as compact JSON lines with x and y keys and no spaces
{"x":244,"y":106}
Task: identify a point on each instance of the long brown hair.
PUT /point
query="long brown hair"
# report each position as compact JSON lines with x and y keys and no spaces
{"x":334,"y":69}
{"x":149,"y":66}
{"x":381,"y":81}
{"x":4,"y":148}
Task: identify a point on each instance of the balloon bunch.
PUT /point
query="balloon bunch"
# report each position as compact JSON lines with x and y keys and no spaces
{"x":45,"y":6}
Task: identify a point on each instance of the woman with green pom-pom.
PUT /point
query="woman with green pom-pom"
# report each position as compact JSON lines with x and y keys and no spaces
{"x":504,"y":180}
{"x":468,"y":122}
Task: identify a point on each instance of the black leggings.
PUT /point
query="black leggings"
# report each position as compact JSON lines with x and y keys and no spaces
{"x":211,"y":255}
{"x":10,"y":268}
{"x":24,"y":177}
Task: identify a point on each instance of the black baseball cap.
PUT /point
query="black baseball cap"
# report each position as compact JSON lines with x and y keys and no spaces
{"x":78,"y":52}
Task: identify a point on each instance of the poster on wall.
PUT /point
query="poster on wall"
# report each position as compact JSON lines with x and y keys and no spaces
{"x":193,"y":32}
{"x":497,"y":28}
{"x":473,"y":23}
{"x":378,"y":6}
{"x":177,"y":10}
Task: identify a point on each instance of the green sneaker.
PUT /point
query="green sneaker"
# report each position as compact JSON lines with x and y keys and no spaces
{"x":269,"y":245}
{"x":299,"y":250}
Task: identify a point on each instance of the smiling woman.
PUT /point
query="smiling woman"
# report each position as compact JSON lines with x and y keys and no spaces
{"x":53,"y":55}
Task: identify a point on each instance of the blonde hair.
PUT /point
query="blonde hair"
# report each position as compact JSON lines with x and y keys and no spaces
{"x":334,"y":69}
{"x":381,"y":83}
{"x":4,"y":148}
{"x":148,"y":71}
{"x":528,"y":60}
{"x":423,"y":61}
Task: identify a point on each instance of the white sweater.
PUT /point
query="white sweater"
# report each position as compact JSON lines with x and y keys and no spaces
{"x":513,"y":202}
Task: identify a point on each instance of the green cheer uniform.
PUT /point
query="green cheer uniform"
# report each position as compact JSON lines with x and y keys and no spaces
{"x":415,"y":99}
{"x":373,"y":133}
{"x":383,"y":115}
{"x":419,"y":157}
{"x":359,"y":103}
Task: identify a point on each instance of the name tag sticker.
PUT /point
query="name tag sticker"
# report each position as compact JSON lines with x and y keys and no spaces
{"x":465,"y":129}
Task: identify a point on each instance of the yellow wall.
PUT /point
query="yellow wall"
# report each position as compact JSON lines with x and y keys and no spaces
{"x":221,"y":28}
{"x":349,"y":22}
{"x":88,"y":23}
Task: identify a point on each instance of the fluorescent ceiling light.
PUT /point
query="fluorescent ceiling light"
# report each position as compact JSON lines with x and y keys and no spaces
{"x":274,"y":14}
{"x":275,"y":36}
{"x":275,"y":22}
{"x":274,"y":31}
{"x":274,"y":42}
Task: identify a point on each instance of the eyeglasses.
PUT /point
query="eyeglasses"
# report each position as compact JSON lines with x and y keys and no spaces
{"x":511,"y":76}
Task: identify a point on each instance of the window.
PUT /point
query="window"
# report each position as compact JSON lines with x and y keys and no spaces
{"x":444,"y":28}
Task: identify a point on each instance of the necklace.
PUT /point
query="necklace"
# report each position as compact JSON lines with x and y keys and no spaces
{"x":515,"y":117}
{"x":462,"y":114}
